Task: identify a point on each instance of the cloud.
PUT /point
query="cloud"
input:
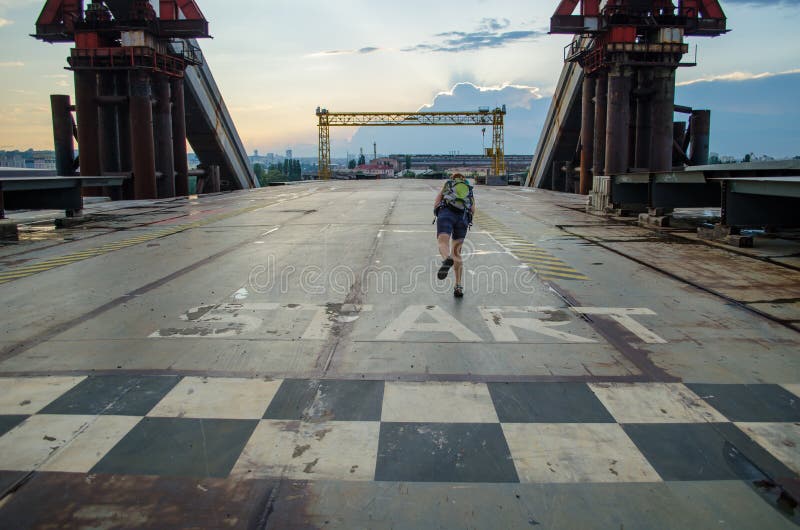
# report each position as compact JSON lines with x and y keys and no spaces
{"x":359,"y":51}
{"x":494,"y":24}
{"x":467,"y":95}
{"x":525,"y":105}
{"x":488,"y":34}
{"x":11,"y":64}
{"x":5,"y":22}
{"x":737,"y":76}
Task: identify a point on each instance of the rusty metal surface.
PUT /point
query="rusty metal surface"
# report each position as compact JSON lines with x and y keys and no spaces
{"x":71,"y":500}
{"x":707,"y":339}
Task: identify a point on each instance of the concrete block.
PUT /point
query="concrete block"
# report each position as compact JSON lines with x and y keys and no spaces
{"x":497,"y":181}
{"x":740,"y":241}
{"x":69,"y":222}
{"x":653,"y":220}
{"x":8,"y":230}
{"x":717,"y":232}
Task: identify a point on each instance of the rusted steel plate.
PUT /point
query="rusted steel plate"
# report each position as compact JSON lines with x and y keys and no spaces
{"x":71,"y":500}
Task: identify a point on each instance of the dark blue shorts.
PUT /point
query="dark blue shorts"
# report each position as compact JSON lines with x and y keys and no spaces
{"x":451,"y":223}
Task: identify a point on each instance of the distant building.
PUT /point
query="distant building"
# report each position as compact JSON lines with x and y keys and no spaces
{"x":44,"y":163}
{"x":375,"y":170}
{"x":289,"y":154}
{"x":386,"y":162}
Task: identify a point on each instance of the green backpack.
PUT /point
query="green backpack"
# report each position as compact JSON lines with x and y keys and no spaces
{"x":457,"y":194}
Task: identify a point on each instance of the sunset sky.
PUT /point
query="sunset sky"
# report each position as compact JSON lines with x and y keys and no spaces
{"x":276,"y":61}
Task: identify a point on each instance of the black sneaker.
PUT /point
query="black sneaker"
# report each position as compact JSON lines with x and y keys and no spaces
{"x":458,"y":292}
{"x":445,"y":268}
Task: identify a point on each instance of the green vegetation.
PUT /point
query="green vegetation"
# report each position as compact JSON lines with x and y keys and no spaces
{"x":288,"y":171}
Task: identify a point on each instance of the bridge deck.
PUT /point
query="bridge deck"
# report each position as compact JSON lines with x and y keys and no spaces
{"x":285,"y":358}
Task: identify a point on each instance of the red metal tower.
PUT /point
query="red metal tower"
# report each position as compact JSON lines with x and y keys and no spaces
{"x":629,"y":51}
{"x":129,"y":64}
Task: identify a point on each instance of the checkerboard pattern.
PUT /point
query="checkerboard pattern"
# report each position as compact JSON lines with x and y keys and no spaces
{"x":400,"y":431}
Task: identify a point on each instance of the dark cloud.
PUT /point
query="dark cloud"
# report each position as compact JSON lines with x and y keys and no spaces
{"x":489,"y":34}
{"x":368,"y":49}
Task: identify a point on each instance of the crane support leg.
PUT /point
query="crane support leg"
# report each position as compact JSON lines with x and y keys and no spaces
{"x":498,"y":147}
{"x":324,"y":149}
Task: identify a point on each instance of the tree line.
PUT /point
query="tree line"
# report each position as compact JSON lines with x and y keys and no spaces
{"x":289,"y":170}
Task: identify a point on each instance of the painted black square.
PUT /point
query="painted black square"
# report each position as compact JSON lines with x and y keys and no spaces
{"x":121,"y":395}
{"x":547,"y":403}
{"x":750,"y":461}
{"x":10,"y":478}
{"x":444,"y":452}
{"x":762,"y":403}
{"x":327,"y":400}
{"x":179,"y":447}
{"x":9,"y":421}
{"x":684,"y":451}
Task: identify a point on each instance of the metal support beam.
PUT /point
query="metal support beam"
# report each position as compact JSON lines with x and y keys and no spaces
{"x":587,"y":133}
{"x":701,"y":132}
{"x":663,"y":105}
{"x":62,"y":134}
{"x":162,"y":123}
{"x":88,"y":122}
{"x":644,"y":118}
{"x":111,"y":104}
{"x":600,"y":115}
{"x":142,"y":143}
{"x":618,"y":120}
{"x":124,"y":133}
{"x":179,"y":153}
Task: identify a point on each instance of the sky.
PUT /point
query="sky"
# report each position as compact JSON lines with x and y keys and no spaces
{"x":276,"y":61}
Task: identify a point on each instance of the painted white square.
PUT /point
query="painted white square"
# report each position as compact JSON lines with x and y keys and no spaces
{"x":794,"y":388}
{"x":654,"y":403}
{"x":29,"y":395}
{"x":200,"y":397}
{"x":780,"y":439}
{"x":56,"y":442}
{"x":576,"y":452}
{"x":438,"y":402}
{"x":341,"y":450}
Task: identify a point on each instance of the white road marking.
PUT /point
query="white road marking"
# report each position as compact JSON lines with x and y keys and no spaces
{"x":501,"y":325}
{"x":443,"y":323}
{"x":622,"y":316}
{"x":236,"y":318}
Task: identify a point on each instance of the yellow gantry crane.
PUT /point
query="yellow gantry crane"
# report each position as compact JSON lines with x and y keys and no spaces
{"x":482,"y":117}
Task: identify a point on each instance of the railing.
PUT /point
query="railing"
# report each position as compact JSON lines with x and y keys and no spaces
{"x":127,"y":58}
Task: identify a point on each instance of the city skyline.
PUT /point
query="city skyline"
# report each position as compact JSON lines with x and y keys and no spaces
{"x":387,"y":59}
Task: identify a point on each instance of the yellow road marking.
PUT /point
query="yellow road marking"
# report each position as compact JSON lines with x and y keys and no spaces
{"x":563,"y":276}
{"x":547,"y":266}
{"x":551,"y":268}
{"x":52,"y":263}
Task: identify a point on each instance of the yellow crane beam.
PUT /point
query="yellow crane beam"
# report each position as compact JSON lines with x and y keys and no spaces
{"x":481,"y":117}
